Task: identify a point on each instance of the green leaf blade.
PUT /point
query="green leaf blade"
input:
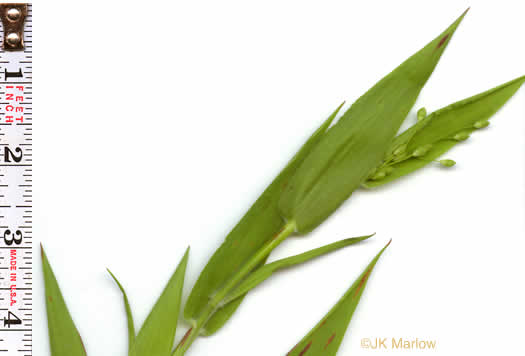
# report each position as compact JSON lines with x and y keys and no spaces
{"x":326,"y":337}
{"x":266,"y":271}
{"x":356,"y":144}
{"x":440,"y":127}
{"x":257,"y":227}
{"x":156,"y":336}
{"x":129,"y":314}
{"x":64,"y":338}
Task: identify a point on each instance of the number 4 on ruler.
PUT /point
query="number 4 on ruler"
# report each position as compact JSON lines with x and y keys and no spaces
{"x":8,"y":321}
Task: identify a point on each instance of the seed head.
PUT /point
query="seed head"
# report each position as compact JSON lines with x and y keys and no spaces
{"x":421,"y":151}
{"x":461,"y":136}
{"x":400,"y":150}
{"x":379,"y":175}
{"x":447,"y":162}
{"x":388,"y":170}
{"x":421,"y":114}
{"x":481,"y":124}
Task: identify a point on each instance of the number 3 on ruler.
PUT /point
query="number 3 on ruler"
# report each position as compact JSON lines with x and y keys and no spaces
{"x":9,"y":237}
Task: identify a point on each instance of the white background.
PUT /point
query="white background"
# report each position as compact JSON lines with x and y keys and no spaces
{"x":158,"y":124}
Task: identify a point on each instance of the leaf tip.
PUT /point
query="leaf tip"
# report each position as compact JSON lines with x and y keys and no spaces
{"x":388,"y":244}
{"x":366,"y":237}
{"x":383,"y":249}
{"x":447,"y":35}
{"x":463,"y":15}
{"x":331,"y":118}
{"x":186,"y":255}
{"x":114,"y":279}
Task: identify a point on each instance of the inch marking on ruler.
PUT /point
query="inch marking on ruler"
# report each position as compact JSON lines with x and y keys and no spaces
{"x":16,"y":180}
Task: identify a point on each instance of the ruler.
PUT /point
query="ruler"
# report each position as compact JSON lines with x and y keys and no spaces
{"x":16,"y":182}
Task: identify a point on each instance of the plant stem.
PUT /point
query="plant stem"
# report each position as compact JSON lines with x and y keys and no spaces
{"x":214,"y":304}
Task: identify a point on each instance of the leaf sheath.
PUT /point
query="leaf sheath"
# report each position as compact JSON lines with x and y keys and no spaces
{"x":256,"y":228}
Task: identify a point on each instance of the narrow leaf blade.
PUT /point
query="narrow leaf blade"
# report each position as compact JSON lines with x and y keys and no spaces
{"x":324,"y":339}
{"x":129,"y":314}
{"x":258,"y":226}
{"x":440,"y":127}
{"x":266,"y":271}
{"x":64,"y":338}
{"x":155,"y":338}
